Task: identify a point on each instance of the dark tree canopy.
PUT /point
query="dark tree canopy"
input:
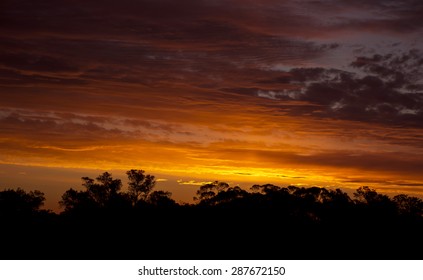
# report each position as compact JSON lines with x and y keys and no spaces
{"x":73,"y":199}
{"x":409,"y":205}
{"x":20,"y":202}
{"x":106,"y":192}
{"x":100,"y":192}
{"x":291,"y":222}
{"x":161,"y":199}
{"x":139,"y":185}
{"x":208,"y":191}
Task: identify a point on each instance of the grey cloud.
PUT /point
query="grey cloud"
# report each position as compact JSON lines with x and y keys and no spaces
{"x":375,"y":16}
{"x":397,"y":70}
{"x":380,"y":89}
{"x":51,"y":128}
{"x":79,"y":129}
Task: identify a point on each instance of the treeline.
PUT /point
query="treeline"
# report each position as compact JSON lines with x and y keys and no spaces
{"x":267,"y":221}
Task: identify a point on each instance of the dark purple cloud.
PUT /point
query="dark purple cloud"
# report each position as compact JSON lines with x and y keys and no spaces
{"x":385,"y":89}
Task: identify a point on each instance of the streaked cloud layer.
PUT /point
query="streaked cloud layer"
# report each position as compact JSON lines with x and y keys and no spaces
{"x":307,"y":92}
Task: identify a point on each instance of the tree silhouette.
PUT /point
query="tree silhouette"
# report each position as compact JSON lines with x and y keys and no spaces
{"x":77,"y":200}
{"x":226,"y":196}
{"x":20,"y":203}
{"x":161,"y":199}
{"x":99,"y":193}
{"x":208,"y":191}
{"x":291,"y":222}
{"x":139,"y":185}
{"x":265,"y":189}
{"x":105,"y":192}
{"x":369,"y":197}
{"x":409,"y":205}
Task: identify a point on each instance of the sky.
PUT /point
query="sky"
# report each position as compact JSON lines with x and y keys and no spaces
{"x":309,"y":93}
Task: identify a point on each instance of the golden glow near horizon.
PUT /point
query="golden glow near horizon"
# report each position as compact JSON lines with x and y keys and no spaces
{"x":316,"y":160}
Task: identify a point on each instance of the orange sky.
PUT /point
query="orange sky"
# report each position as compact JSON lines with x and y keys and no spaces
{"x":323,"y":93}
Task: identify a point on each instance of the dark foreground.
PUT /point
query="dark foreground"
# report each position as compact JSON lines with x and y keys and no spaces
{"x":267,"y":222}
{"x":208,"y":234}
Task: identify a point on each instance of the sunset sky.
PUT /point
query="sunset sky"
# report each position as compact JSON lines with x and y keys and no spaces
{"x":314,"y":93}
